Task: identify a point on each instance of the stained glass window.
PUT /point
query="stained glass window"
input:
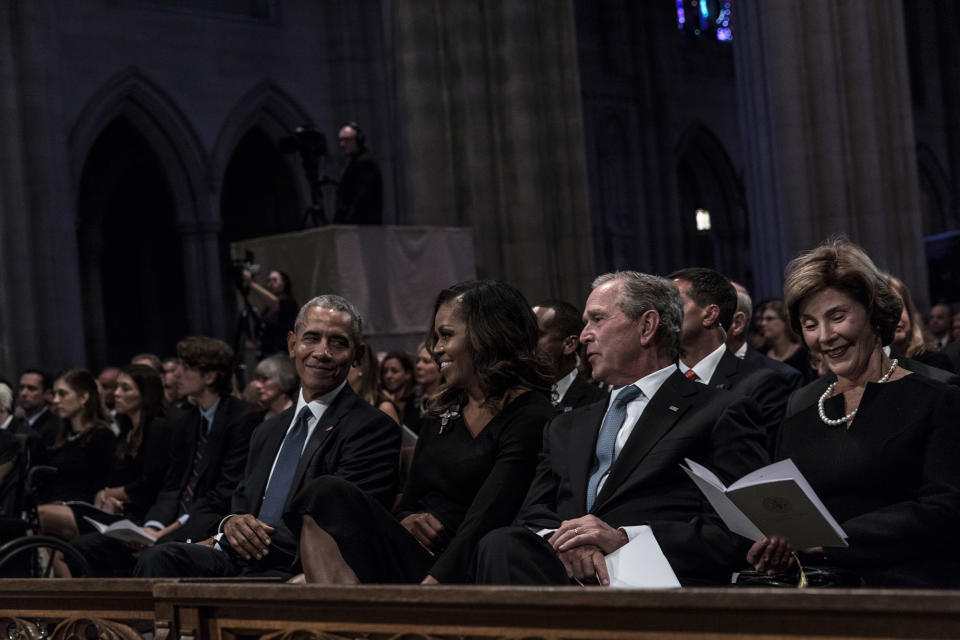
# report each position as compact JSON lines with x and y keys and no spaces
{"x":705,"y":18}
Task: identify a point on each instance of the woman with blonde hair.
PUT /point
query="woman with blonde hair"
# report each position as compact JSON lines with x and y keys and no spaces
{"x":876,"y":442}
{"x":909,"y":338}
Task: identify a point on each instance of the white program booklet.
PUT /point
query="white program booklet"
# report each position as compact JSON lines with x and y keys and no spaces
{"x":640,"y":564}
{"x":775,"y":500}
{"x":122,"y":530}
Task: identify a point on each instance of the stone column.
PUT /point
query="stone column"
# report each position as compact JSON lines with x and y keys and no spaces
{"x":827,"y":125}
{"x":41,"y":317}
{"x":493,"y":136}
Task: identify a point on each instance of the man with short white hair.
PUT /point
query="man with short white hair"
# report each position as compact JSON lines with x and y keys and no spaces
{"x":611,"y":469}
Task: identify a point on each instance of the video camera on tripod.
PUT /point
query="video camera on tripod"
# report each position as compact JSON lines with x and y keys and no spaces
{"x":311,"y":145}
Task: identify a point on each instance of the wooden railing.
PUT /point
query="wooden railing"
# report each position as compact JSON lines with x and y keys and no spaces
{"x":121,"y":609}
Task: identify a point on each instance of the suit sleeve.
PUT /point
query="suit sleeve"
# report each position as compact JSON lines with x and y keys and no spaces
{"x":167,"y":502}
{"x":156,"y":451}
{"x":539,"y":508}
{"x":499,"y":497}
{"x":241,"y":501}
{"x":703,"y":547}
{"x":213,"y":504}
{"x":370,"y":455}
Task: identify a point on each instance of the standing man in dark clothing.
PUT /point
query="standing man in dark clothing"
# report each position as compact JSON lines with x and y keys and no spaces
{"x":360,"y":192}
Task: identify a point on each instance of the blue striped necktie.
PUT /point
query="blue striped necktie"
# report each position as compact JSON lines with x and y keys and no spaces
{"x":607,"y":439}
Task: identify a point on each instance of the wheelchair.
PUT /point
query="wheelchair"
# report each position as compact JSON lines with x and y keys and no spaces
{"x":24,"y":553}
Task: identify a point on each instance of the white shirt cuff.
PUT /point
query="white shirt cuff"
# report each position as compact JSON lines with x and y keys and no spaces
{"x":633,"y":531}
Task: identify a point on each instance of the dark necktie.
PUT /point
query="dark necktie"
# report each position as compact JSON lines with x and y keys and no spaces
{"x":187,"y":496}
{"x":607,"y":439}
{"x":271,"y":510}
{"x":692,"y":375}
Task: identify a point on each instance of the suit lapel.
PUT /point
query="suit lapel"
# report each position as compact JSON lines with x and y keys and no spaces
{"x":662,"y":412}
{"x":726,"y":372}
{"x":327,"y":425}
{"x":271,"y":446}
{"x":580,"y":444}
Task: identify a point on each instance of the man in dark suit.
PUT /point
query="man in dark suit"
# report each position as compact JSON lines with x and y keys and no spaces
{"x":330,"y":432}
{"x":709,"y":304}
{"x":737,"y":342}
{"x":559,"y":325}
{"x":34,"y":397}
{"x":207,"y":454}
{"x":609,"y":469}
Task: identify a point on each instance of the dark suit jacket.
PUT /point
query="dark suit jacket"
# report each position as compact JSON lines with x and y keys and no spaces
{"x":220,"y":469}
{"x":352,"y":440}
{"x":764,"y":385}
{"x":47,"y":426}
{"x":646,"y":484}
{"x":580,"y":394}
{"x":756,"y":360}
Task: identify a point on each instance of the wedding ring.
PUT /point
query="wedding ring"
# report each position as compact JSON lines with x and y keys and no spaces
{"x":576,"y":531}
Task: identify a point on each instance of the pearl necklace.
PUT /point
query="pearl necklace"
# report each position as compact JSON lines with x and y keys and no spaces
{"x":849,"y":416}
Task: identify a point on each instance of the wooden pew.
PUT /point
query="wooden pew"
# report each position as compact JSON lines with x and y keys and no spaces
{"x":287,"y":612}
{"x":57,"y":609}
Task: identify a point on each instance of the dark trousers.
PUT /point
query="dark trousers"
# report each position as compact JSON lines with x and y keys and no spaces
{"x":518,"y":556}
{"x":182,"y":560}
{"x":377,"y":547}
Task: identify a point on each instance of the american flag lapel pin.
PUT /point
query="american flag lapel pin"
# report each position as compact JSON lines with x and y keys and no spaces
{"x":674,"y":409}
{"x":330,"y":428}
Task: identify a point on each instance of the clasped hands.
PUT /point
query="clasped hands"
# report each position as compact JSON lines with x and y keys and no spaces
{"x":110,"y":500}
{"x":247,"y":536}
{"x":581,"y":545}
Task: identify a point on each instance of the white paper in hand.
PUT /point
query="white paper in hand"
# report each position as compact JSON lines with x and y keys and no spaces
{"x":640,"y":564}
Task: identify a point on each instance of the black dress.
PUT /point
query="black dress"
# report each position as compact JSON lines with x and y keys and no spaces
{"x":83,"y":465}
{"x":142,"y":475}
{"x":472,"y":485}
{"x":891,"y":480}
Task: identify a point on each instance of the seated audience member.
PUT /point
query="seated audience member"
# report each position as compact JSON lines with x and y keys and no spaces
{"x":608,"y":469}
{"x":35,"y":396}
{"x":140,"y":459}
{"x":878,"y":444}
{"x":426,"y":374}
{"x":559,"y":326}
{"x":938,"y":322}
{"x":108,"y":386}
{"x":276,"y":382}
{"x":396,"y":382}
{"x":278,"y":310}
{"x":364,"y":376}
{"x":331,"y":432}
{"x":207,"y":455}
{"x":909,"y":340}
{"x":709,"y":303}
{"x":740,"y":347}
{"x":473,"y":459}
{"x":784,"y":344}
{"x":171,"y":392}
{"x":148,"y":360}
{"x":83,"y":450}
{"x":6,"y":407}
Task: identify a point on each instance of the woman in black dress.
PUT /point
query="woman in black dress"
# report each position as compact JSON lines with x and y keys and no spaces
{"x":140,"y":457}
{"x":83,"y":449}
{"x":474,"y":460}
{"x":876,"y":442}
